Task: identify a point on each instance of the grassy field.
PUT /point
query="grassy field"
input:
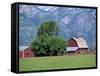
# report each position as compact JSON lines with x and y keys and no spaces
{"x":57,"y":62}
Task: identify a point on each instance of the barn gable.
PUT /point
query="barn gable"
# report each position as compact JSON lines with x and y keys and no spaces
{"x":72,"y":43}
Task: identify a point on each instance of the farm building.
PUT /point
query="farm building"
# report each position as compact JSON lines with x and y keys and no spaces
{"x":25,"y":51}
{"x":77,"y":45}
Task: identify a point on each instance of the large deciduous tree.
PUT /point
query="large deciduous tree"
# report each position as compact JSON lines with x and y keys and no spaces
{"x":47,"y":41}
{"x":49,"y":27}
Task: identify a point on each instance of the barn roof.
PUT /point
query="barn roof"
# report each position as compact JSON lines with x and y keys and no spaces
{"x":80,"y":42}
{"x":21,"y":48}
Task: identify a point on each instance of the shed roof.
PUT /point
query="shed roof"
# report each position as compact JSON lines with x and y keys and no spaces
{"x":81,"y":42}
{"x":21,"y":48}
{"x":71,"y":48}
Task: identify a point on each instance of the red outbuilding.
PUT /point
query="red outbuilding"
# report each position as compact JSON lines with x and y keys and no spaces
{"x":77,"y":45}
{"x":26,"y":52}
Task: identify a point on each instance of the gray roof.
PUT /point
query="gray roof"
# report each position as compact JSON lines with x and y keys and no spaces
{"x":21,"y":48}
{"x":71,"y":48}
{"x":81,"y":42}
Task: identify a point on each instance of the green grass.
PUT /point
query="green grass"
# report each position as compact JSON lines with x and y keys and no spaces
{"x":57,"y":62}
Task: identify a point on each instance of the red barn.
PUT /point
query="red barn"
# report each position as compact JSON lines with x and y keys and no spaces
{"x":77,"y":45}
{"x":26,"y":52}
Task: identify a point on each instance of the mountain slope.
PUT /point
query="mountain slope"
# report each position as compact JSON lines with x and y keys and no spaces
{"x":71,"y":22}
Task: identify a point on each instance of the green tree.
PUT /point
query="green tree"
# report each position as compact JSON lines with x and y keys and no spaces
{"x":45,"y":44}
{"x":49,"y":27}
{"x":58,"y":46}
{"x":42,"y":45}
{"x":47,"y":41}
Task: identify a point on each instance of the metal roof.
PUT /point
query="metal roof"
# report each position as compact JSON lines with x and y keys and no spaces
{"x":21,"y":48}
{"x":71,"y":48}
{"x":81,"y":42}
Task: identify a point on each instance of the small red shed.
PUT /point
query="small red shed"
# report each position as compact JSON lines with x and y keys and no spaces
{"x":26,"y":52}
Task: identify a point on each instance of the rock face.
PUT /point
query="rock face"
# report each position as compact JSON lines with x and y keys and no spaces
{"x":71,"y":22}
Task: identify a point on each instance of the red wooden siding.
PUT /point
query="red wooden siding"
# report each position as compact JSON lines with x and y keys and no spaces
{"x":72,"y":43}
{"x":28,"y":52}
{"x":21,"y":54}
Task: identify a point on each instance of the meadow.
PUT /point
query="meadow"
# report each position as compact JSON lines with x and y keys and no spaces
{"x":57,"y":62}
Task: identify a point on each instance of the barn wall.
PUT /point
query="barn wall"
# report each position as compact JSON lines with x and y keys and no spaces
{"x":70,"y":53}
{"x":82,"y":51}
{"x":72,"y":43}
